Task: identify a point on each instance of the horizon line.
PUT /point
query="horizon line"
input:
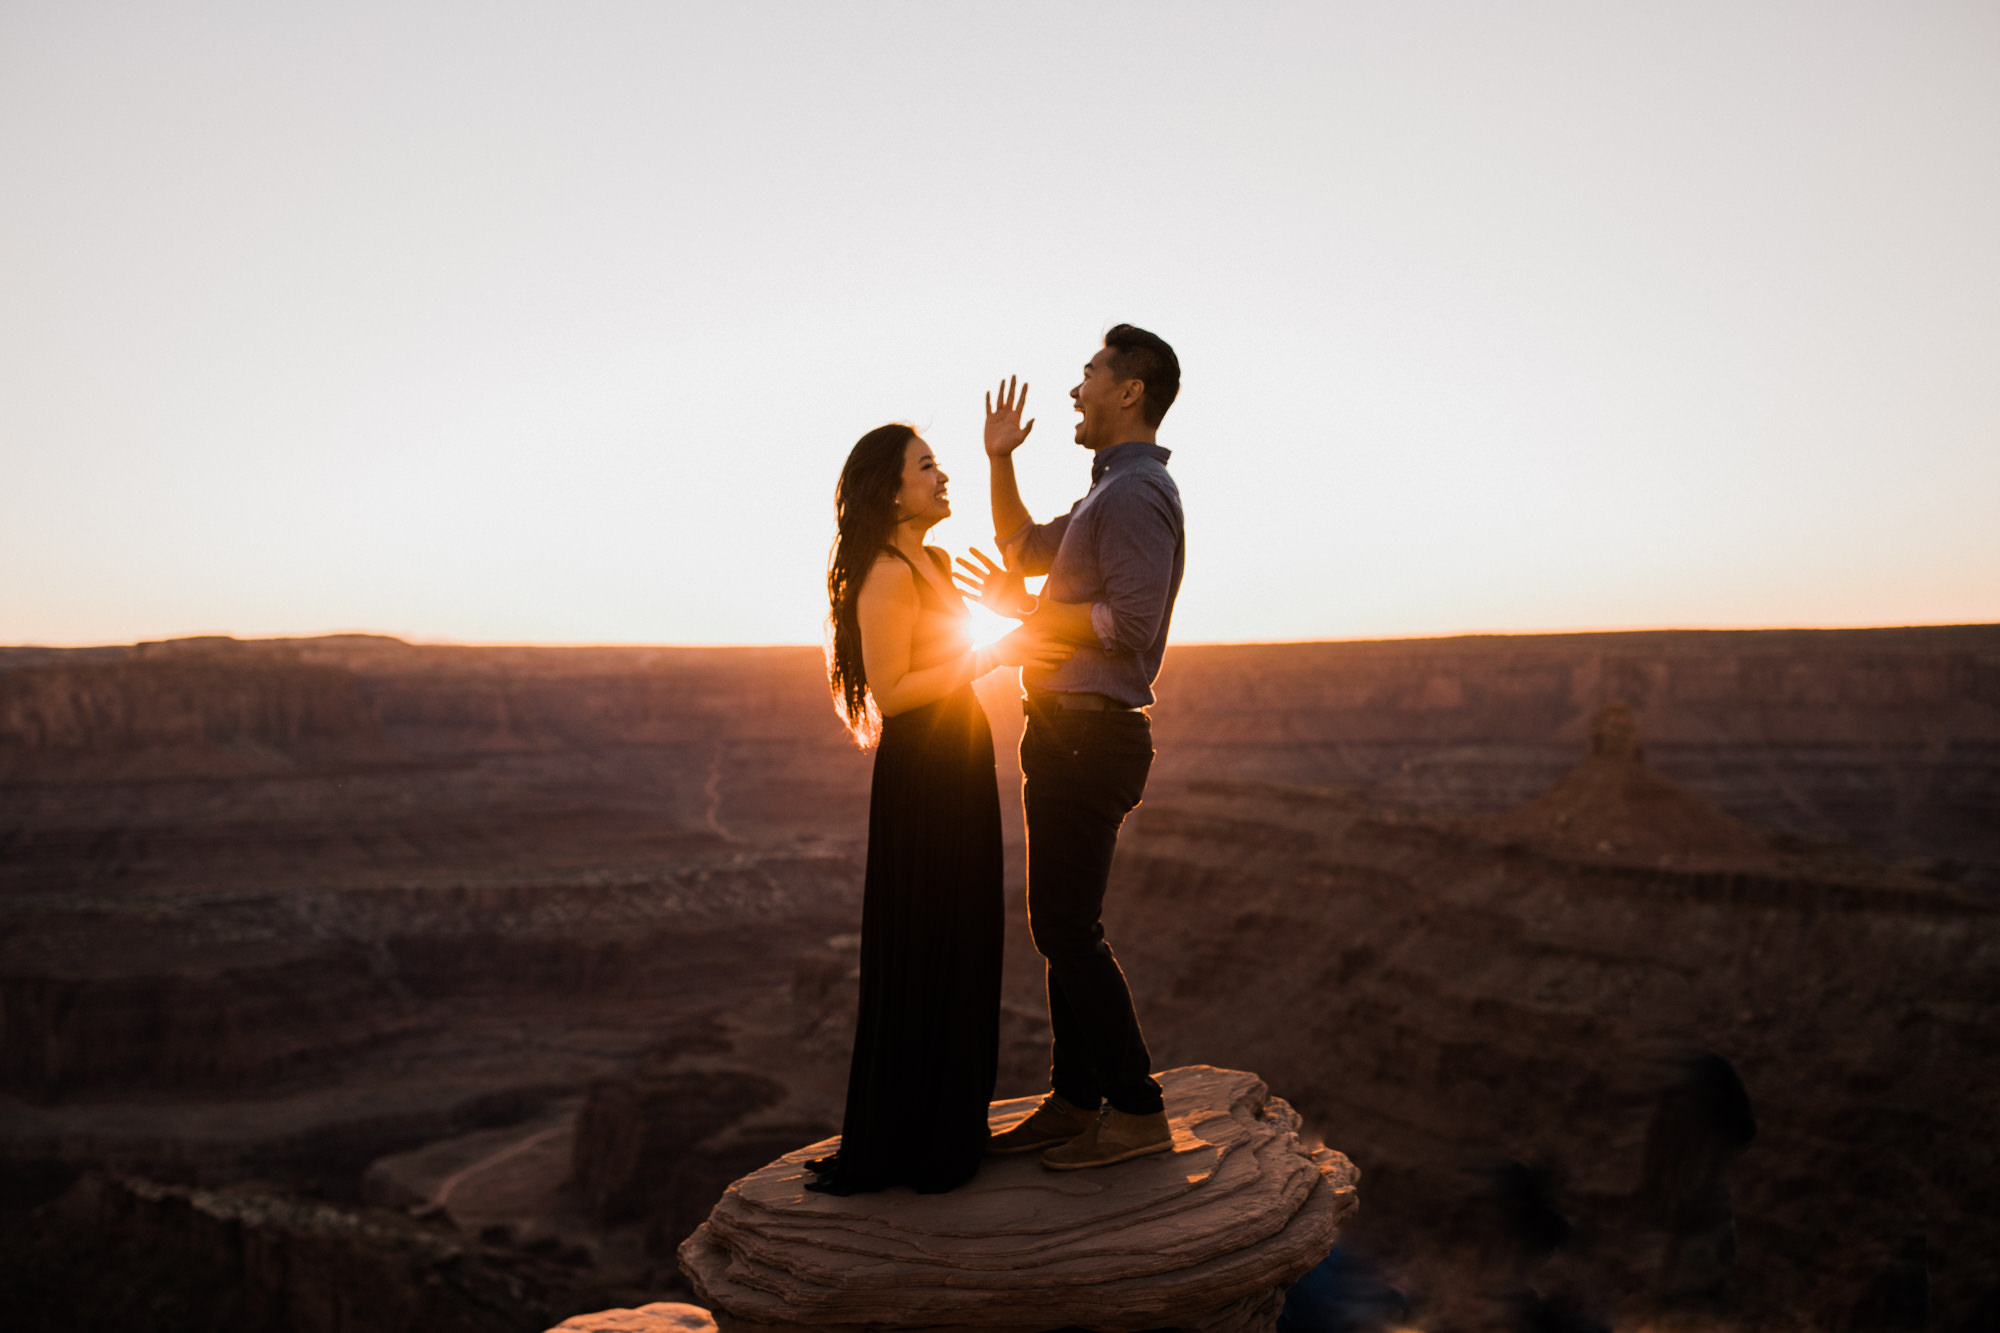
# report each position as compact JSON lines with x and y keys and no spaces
{"x":417,"y":641}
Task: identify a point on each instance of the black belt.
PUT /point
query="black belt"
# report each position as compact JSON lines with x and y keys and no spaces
{"x":1075,"y":701}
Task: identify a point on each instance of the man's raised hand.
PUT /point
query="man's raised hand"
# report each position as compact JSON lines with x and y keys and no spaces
{"x":1004,"y":431}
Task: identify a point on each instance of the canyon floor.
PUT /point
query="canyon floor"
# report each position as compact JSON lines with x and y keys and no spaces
{"x":353,"y":984}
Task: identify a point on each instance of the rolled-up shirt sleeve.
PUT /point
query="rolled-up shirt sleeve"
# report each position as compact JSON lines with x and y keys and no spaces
{"x":1104,"y":625}
{"x":1137,"y":570}
{"x":1038,"y":543}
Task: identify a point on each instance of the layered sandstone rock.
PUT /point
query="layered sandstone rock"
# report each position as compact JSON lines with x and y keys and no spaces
{"x":228,"y":990}
{"x":1450,"y":994}
{"x":658,"y":1317}
{"x":1614,"y":805}
{"x":213,"y":1018}
{"x":130,"y":1253}
{"x":280,"y":909}
{"x":1887,"y":737}
{"x":213,"y":714}
{"x":637,"y":1130}
{"x":1205,"y":1237}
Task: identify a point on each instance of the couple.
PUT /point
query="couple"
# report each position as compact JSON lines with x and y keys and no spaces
{"x":901,"y":668}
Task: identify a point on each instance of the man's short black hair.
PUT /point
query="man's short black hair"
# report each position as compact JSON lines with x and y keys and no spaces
{"x":1139,"y":355}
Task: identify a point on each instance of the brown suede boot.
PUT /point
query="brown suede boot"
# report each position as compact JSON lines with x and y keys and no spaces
{"x":1054,"y":1121}
{"x":1116,"y":1137}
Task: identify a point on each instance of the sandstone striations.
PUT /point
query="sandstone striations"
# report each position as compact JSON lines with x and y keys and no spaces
{"x":356,"y":753}
{"x":1886,"y":738}
{"x":1206,"y":1237}
{"x":361,"y":919}
{"x":658,"y":1142}
{"x":186,"y":714}
{"x":640,"y":1132}
{"x":1445,"y":998}
{"x":1614,"y":805}
{"x":229,"y":989}
{"x":122,"y":1253}
{"x":658,"y":1317}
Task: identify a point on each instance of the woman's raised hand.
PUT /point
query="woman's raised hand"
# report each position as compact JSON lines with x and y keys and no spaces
{"x":1001,"y":591}
{"x":1004,"y":431}
{"x":1030,"y":646}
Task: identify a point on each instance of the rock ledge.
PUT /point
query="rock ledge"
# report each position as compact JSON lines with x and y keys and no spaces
{"x":1205,"y":1237}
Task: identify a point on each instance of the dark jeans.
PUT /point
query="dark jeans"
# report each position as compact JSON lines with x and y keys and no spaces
{"x":1082,"y":772}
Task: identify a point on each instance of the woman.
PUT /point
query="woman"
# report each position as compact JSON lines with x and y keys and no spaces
{"x":901,"y":666}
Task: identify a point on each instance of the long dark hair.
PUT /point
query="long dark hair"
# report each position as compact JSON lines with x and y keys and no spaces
{"x":864,"y":511}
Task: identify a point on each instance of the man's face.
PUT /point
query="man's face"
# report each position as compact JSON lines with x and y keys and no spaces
{"x":1097,"y":398}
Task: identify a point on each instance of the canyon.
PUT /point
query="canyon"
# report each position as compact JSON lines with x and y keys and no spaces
{"x":475,"y":974}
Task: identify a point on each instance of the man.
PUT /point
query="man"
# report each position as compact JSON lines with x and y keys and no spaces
{"x":1114,"y":564}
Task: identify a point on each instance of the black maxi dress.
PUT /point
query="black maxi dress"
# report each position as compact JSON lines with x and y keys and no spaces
{"x":932,"y":931}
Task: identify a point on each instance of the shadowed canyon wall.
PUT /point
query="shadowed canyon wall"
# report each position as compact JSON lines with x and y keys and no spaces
{"x":1442,"y":996}
{"x":1886,"y":738}
{"x":446,"y":933}
{"x":1889,"y":738}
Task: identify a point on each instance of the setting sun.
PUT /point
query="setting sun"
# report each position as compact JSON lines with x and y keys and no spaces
{"x":986,"y":628}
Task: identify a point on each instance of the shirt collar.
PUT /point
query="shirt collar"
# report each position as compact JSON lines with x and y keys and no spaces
{"x":1106,"y":459}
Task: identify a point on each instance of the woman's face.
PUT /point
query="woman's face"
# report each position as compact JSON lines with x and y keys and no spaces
{"x":922,"y":499}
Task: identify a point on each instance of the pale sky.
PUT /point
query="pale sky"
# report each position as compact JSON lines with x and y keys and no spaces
{"x":553,"y":322}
